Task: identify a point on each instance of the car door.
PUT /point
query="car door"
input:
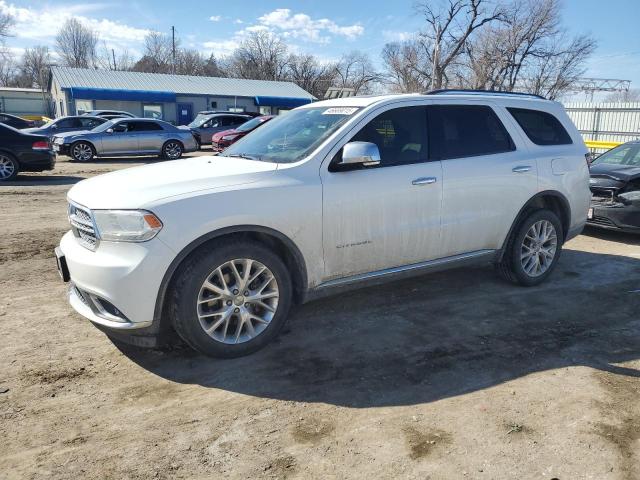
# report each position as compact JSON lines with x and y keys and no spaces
{"x":150,"y":136}
{"x":488,"y":174}
{"x":210,"y":127}
{"x":67,"y":125}
{"x":123,"y":139}
{"x":387,"y":215}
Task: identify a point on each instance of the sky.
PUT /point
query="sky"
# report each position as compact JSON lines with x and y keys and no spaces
{"x":326,"y":28}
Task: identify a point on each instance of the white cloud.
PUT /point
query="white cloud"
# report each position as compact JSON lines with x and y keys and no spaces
{"x":215,"y":18}
{"x":393,"y":36}
{"x":302,"y":26}
{"x":42,"y":24}
{"x":238,"y":21}
{"x":221,"y":48}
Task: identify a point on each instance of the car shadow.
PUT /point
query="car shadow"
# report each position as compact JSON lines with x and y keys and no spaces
{"x":433,"y":337}
{"x":36,"y":179}
{"x":612,"y":235}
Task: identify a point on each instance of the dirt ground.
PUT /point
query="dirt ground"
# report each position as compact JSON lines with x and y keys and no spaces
{"x":456,"y":375}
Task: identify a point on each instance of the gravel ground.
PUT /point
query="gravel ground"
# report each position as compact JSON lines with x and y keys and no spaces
{"x":456,"y":375}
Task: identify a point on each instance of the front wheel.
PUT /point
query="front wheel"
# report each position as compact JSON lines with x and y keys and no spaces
{"x":9,"y":167}
{"x":533,"y":249}
{"x":172,"y":150}
{"x":82,"y":152}
{"x":231,"y":300}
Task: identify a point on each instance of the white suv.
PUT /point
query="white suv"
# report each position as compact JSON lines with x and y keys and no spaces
{"x":328,"y":196}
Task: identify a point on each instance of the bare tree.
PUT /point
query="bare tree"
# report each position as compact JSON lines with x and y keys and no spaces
{"x":408,"y":70}
{"x":632,"y":95}
{"x":158,"y":54}
{"x":261,"y":56}
{"x":77,"y":44}
{"x":34,"y":66}
{"x":110,"y":59}
{"x":310,"y":74}
{"x":355,"y":70}
{"x":6,"y":23}
{"x":448,"y":29}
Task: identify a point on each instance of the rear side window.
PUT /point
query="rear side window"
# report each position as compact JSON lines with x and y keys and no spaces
{"x":467,"y":131}
{"x":542,"y":128}
{"x":144,"y":127}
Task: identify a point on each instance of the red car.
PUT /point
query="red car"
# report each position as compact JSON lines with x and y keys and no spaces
{"x":221,"y":140}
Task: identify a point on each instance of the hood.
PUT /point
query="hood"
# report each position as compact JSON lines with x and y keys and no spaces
{"x":622,"y":173}
{"x":72,"y":134}
{"x":219,"y":135}
{"x":138,"y":187}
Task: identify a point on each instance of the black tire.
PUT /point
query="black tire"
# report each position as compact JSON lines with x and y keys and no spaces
{"x":9,"y":167}
{"x":511,"y":268}
{"x":186,"y":290}
{"x":172,"y":150}
{"x":82,"y":151}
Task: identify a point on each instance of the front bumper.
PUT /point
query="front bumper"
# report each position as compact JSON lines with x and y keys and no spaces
{"x":116,"y":286}
{"x":615,"y":216}
{"x":61,"y":149}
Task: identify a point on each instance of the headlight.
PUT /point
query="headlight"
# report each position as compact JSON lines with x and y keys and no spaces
{"x":229,"y":137}
{"x":126,"y":225}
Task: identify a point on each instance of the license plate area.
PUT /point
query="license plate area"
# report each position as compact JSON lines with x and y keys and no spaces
{"x":590,"y":214}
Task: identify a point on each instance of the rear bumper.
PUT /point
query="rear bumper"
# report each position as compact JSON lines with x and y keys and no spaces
{"x":616,"y":217}
{"x":37,"y":161}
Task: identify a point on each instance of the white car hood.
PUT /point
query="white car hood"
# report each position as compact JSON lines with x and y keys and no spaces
{"x":138,"y":187}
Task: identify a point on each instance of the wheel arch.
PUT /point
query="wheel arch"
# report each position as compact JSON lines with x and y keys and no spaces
{"x":280,"y":243}
{"x":549,"y":199}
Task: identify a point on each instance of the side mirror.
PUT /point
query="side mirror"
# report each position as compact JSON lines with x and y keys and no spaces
{"x":360,"y":153}
{"x":109,"y":130}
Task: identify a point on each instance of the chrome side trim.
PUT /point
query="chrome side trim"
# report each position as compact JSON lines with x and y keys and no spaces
{"x":440,"y":263}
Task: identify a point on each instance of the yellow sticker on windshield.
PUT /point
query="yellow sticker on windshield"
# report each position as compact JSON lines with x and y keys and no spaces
{"x":339,"y":111}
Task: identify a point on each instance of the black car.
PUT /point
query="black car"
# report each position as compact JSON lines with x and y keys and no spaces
{"x":615,"y":185}
{"x":23,"y":152}
{"x":16,"y":122}
{"x":68,"y":124}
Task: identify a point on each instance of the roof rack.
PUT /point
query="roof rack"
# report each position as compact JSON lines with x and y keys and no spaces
{"x":472,"y":91}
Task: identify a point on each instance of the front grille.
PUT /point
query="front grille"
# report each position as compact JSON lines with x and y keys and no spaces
{"x":602,"y":221}
{"x":83,"y":226}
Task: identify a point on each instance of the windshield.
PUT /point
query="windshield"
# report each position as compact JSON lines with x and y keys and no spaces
{"x":250,"y":125}
{"x":628,"y":155}
{"x":289,"y":138}
{"x":104,"y":126}
{"x":199,"y":120}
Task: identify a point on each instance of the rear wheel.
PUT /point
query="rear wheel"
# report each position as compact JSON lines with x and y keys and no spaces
{"x":82,"y":152}
{"x":533,"y":249}
{"x":172,"y":150}
{"x":232,"y":300}
{"x":9,"y":167}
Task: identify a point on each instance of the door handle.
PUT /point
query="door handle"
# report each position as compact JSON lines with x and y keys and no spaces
{"x":521,"y":169}
{"x":424,"y":181}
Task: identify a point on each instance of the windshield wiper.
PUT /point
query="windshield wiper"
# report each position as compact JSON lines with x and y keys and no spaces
{"x":243,"y":155}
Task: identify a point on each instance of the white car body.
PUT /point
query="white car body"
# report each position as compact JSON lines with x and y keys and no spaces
{"x":341,"y":227}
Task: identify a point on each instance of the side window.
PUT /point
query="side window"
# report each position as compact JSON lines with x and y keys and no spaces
{"x":90,"y":122}
{"x":542,"y":128}
{"x":121,"y":127}
{"x":68,"y":123}
{"x":467,"y":131}
{"x":400,"y":134}
{"x":144,"y":127}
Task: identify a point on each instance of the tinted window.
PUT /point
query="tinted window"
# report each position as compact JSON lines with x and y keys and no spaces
{"x":90,"y":123}
{"x":122,"y":127}
{"x":144,"y":127}
{"x":628,"y":155}
{"x":68,"y":123}
{"x":467,"y":131}
{"x":400,"y":134}
{"x":542,"y":128}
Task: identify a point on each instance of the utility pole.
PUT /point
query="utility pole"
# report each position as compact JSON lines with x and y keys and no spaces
{"x":113,"y":53}
{"x":173,"y":44}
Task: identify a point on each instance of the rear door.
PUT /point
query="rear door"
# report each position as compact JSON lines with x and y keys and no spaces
{"x":150,"y":136}
{"x":488,"y":174}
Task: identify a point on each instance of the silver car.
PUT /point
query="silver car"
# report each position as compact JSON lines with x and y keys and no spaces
{"x":126,"y":136}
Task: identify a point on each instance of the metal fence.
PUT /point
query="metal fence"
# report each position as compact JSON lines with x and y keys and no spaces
{"x":24,"y":105}
{"x":606,"y":122}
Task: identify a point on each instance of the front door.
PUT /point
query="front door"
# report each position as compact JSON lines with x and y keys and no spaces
{"x":185,"y":113}
{"x":387,"y":215}
{"x":122,"y":140}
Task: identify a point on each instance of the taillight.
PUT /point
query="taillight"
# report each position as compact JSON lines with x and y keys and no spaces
{"x":41,"y":145}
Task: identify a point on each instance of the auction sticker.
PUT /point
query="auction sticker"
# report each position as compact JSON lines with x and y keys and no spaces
{"x":339,"y":111}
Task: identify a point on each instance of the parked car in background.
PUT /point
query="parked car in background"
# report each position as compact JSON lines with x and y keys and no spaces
{"x":206,"y":124}
{"x":331,"y":195}
{"x":15,"y":121}
{"x":23,"y":152}
{"x":615,"y":184}
{"x":68,"y":124}
{"x":109,"y":113}
{"x":126,"y":136}
{"x":221,"y":140}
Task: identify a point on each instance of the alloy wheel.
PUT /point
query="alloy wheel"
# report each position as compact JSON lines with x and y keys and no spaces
{"x":539,"y":248}
{"x":173,"y":150}
{"x":7,"y":167}
{"x":237,"y":301}
{"x":82,"y":152}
